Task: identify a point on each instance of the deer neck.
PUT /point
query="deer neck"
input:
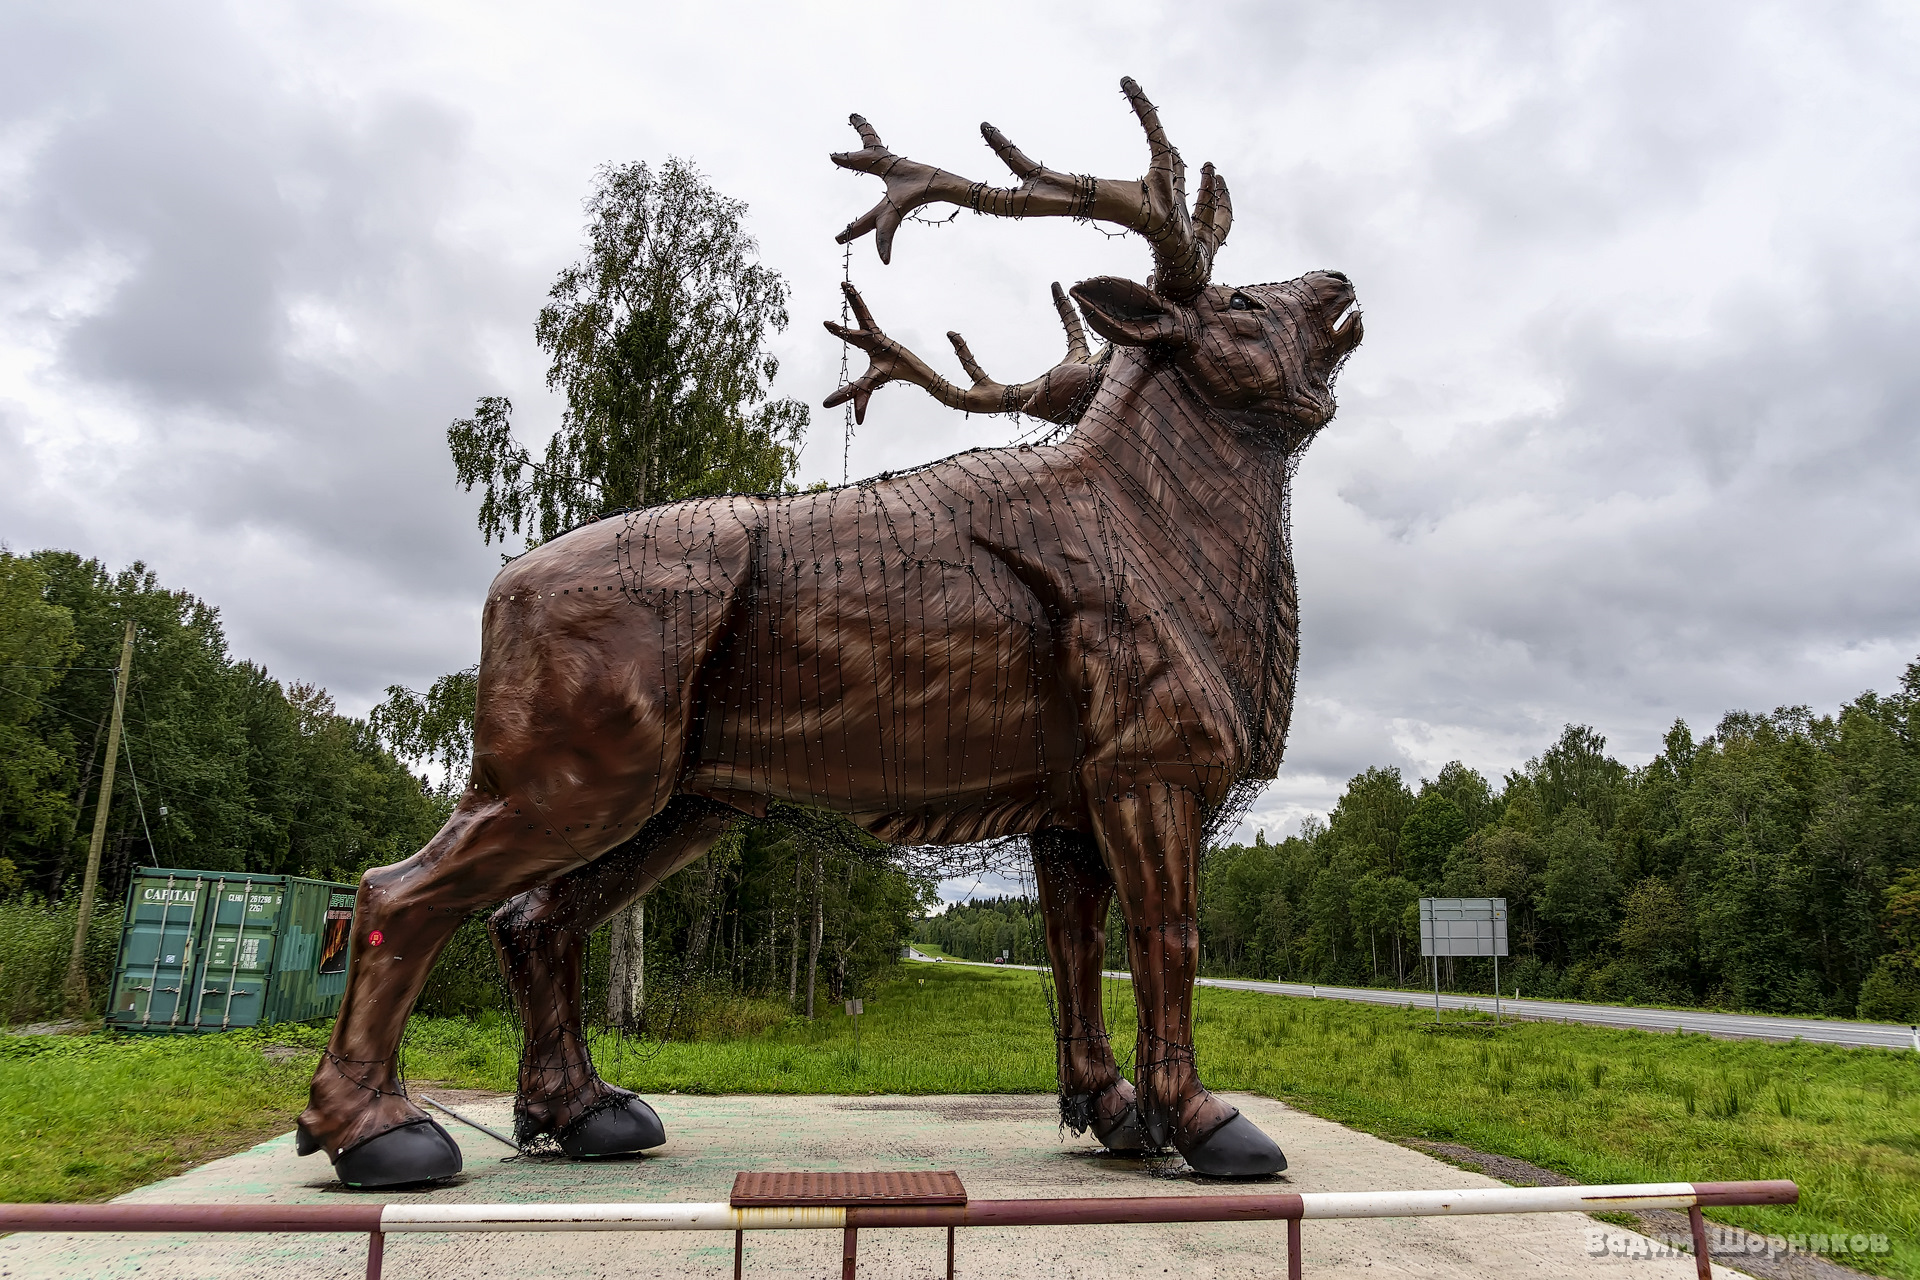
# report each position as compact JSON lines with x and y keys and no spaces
{"x":1220,"y":493}
{"x":1148,"y":429}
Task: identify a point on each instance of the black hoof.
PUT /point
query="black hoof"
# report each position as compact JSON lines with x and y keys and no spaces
{"x":1237,"y":1149}
{"x":417,"y":1152}
{"x":613,"y":1131}
{"x":1123,"y":1135}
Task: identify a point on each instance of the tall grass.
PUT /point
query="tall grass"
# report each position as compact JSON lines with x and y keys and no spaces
{"x":36,"y":942}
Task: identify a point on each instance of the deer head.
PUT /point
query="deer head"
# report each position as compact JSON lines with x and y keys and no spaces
{"x":1264,"y":355}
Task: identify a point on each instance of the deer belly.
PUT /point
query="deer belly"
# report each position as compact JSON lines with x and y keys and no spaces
{"x":926,"y":706}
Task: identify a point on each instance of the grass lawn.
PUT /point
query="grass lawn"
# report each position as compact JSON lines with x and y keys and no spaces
{"x":86,"y":1118}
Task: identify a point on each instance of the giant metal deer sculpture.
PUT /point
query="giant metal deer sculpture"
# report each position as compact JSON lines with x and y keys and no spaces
{"x":1090,"y":643}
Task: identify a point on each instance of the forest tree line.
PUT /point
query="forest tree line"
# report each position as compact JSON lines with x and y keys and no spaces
{"x":1772,"y":866}
{"x":222,"y":767}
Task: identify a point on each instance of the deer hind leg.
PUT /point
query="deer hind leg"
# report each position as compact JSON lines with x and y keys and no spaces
{"x":540,"y":938}
{"x":1075,"y":891}
{"x":1150,"y":837}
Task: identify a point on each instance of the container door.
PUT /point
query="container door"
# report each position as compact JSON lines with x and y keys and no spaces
{"x":159,"y":951}
{"x":298,"y":952}
{"x":241,"y":933}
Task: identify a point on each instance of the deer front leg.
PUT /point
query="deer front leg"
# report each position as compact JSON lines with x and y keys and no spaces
{"x":1075,"y":891}
{"x":1150,"y":837}
{"x":358,"y":1111}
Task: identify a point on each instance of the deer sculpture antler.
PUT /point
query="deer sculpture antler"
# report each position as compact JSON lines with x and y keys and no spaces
{"x":1184,"y":242}
{"x":1056,"y":396}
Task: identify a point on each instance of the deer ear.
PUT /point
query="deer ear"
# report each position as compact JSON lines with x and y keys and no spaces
{"x":1129,"y":314}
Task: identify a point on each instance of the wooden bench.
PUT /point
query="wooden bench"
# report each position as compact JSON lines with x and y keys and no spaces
{"x":778,"y":1189}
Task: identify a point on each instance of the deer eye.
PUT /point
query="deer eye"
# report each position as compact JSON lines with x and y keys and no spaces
{"x":1241,"y":302}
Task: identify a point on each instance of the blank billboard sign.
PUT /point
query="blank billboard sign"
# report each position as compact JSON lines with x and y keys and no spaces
{"x":1463,"y":926}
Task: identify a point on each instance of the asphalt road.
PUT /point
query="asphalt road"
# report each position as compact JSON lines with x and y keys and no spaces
{"x":1739,"y":1026}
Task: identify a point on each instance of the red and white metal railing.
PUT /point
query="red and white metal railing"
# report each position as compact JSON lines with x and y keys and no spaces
{"x":376,"y":1221}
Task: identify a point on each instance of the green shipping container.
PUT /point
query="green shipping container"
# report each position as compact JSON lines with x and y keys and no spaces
{"x":212,"y":950}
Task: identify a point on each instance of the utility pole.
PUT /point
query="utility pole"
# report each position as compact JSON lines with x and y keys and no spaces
{"x":77,"y":996}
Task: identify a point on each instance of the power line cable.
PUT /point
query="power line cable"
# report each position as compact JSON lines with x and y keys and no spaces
{"x":138,"y":803}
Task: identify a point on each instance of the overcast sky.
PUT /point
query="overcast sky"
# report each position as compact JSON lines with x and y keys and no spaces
{"x":1632,"y":436}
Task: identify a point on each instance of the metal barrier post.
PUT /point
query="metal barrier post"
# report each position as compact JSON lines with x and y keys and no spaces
{"x":1293,"y":1249}
{"x":850,"y":1242}
{"x":376,"y":1254}
{"x":1702,"y":1263}
{"x":949,"y":1253}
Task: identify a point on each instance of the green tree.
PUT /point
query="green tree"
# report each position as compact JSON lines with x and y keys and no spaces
{"x":1656,"y":932}
{"x":658,"y":342}
{"x":36,"y":773}
{"x":1378,"y":906}
{"x":1502,"y":862}
{"x":1432,"y":831}
{"x":1577,"y":891}
{"x":1577,"y":770}
{"x":1470,"y":792}
{"x":434,"y":727}
{"x":1369,"y":816}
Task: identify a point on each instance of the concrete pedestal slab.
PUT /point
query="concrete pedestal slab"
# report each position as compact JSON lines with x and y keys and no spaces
{"x":1002,"y":1146}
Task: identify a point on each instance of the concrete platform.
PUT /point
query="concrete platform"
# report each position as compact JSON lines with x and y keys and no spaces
{"x":1001,"y":1145}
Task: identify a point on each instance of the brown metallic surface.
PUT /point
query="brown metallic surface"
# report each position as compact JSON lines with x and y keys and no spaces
{"x":1095,"y":1210}
{"x":1293,"y":1249}
{"x":1777,"y":1191}
{"x":779,"y":1188}
{"x":1093,"y":638}
{"x":376,"y":1255}
{"x":1702,"y":1257}
{"x":349,"y":1217}
{"x":849,"y":1249}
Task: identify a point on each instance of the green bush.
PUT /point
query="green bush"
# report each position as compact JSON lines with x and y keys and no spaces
{"x":36,"y":941}
{"x":1891,"y":993}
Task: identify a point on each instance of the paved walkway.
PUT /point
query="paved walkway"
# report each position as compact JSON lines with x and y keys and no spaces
{"x":1738,"y":1026}
{"x":1001,"y":1145}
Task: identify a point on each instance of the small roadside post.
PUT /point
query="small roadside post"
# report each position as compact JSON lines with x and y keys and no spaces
{"x":1463,"y":927}
{"x":854,"y":1009}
